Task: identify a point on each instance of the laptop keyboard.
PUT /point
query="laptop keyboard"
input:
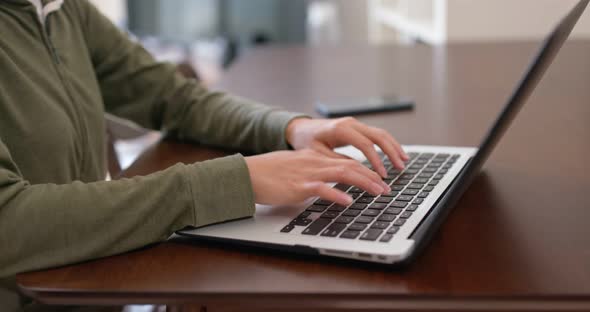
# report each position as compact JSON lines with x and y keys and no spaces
{"x":377,"y":218}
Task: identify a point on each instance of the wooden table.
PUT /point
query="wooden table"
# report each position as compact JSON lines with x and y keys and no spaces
{"x":518,"y":240}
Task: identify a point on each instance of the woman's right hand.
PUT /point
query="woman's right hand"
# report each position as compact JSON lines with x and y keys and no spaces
{"x":289,"y":177}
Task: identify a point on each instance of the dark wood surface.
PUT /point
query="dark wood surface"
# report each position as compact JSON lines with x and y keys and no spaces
{"x":519,"y":239}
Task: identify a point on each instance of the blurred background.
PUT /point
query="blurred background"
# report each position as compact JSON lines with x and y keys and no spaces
{"x":207,"y":36}
{"x":211,"y":34}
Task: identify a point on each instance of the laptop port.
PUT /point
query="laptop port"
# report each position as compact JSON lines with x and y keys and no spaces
{"x":365,"y":255}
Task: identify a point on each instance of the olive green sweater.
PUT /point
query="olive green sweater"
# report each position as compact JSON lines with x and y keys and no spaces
{"x":59,"y":74}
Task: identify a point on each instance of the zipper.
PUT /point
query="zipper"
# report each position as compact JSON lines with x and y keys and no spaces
{"x":62,"y":77}
{"x":50,"y":46}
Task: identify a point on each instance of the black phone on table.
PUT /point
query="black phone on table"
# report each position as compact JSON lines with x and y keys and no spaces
{"x":351,"y":107}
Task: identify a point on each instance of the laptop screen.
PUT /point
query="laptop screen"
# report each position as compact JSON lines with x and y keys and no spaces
{"x":549,"y":49}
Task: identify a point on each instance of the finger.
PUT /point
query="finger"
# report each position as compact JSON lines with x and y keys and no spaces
{"x":360,"y":141}
{"x":386,"y":142}
{"x":399,"y":147}
{"x":349,"y":176}
{"x":356,"y":166}
{"x":326,"y":192}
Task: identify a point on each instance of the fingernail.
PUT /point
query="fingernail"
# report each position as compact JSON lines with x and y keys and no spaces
{"x":383,"y":172}
{"x":376,"y":188}
{"x":347,"y":199}
{"x":386,"y":188}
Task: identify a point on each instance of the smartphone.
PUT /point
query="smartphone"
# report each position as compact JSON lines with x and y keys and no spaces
{"x":351,"y":107}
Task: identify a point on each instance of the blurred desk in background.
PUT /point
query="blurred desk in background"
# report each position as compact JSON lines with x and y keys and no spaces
{"x":517,"y":240}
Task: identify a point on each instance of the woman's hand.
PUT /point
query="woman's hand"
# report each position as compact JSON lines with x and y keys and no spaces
{"x":289,"y":177}
{"x":323,"y":135}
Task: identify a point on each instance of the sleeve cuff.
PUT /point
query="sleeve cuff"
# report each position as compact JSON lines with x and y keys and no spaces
{"x":221,"y":190}
{"x":278,"y":128}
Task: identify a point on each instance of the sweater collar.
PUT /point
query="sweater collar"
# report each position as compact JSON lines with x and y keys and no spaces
{"x":42,"y":7}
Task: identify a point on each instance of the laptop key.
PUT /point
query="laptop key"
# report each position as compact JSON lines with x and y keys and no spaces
{"x":371,"y":213}
{"x":384,"y":199}
{"x":416,"y":186}
{"x":364,"y":200}
{"x":344,"y":220}
{"x":371,"y":234}
{"x":380,"y":225}
{"x":301,"y":221}
{"x":406,"y":198}
{"x":433,"y":183}
{"x":392,"y":230}
{"x":357,"y":227}
{"x":358,"y":206}
{"x":351,"y":213}
{"x":288,"y":228}
{"x":304,"y":214}
{"x":420,"y":180}
{"x":412,"y":171}
{"x":423,"y":195}
{"x":412,"y":207}
{"x":378,"y":206}
{"x":355,"y":189}
{"x":350,"y":234}
{"x":399,"y":204}
{"x":429,"y":188}
{"x":323,"y":202}
{"x":334,"y":229}
{"x":330,"y":214}
{"x":405,"y":215}
{"x":316,"y":208}
{"x":317,"y":226}
{"x":395,"y":189}
{"x":364,"y":219}
{"x":386,"y":218}
{"x":410,"y":192}
{"x":418,"y":201}
{"x":401,"y":182}
{"x":337,"y":208}
{"x":399,"y":222}
{"x":391,"y":210}
{"x":438,"y":177}
{"x":386,"y":238}
{"x":367,"y":195}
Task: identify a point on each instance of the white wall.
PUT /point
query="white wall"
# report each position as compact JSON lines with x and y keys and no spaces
{"x":509,"y":19}
{"x":116,"y":10}
{"x":470,"y":20}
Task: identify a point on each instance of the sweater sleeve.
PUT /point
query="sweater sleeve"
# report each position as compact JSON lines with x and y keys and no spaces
{"x":46,"y":225}
{"x":156,"y":96}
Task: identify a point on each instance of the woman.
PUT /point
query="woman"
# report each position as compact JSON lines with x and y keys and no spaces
{"x":62,"y":66}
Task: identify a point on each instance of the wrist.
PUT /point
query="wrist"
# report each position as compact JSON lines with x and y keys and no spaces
{"x":291,"y":129}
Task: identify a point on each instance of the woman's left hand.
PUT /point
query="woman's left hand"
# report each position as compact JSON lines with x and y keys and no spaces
{"x":323,"y":135}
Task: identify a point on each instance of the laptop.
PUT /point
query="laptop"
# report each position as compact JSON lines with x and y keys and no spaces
{"x":391,"y":228}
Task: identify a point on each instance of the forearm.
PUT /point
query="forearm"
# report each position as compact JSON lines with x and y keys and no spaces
{"x":49,"y":225}
{"x":223,"y":120}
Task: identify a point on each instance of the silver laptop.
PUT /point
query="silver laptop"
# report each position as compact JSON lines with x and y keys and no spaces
{"x":390,"y":228}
